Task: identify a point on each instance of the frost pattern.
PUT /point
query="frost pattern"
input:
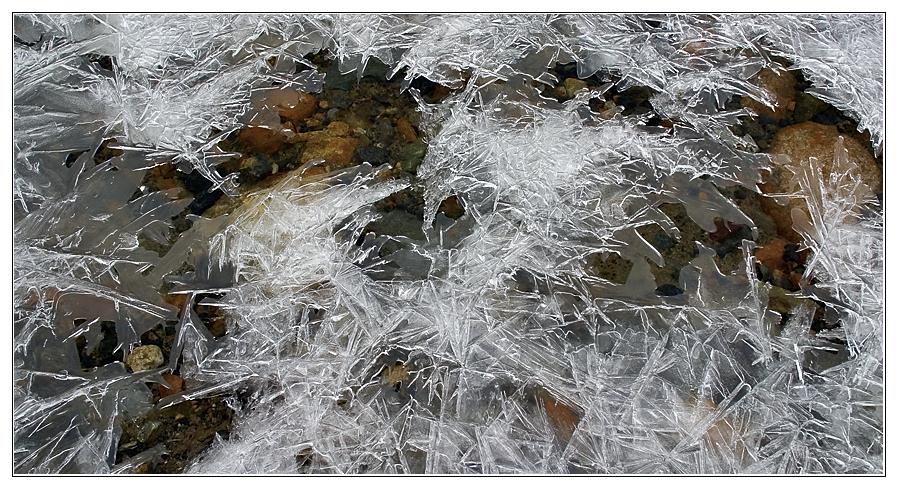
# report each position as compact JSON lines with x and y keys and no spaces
{"x":478,"y":345}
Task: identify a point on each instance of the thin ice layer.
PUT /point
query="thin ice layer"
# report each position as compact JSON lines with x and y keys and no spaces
{"x":480,"y":344}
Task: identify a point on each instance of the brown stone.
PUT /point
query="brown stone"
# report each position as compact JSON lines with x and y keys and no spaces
{"x":563,"y":419}
{"x":772,"y":254}
{"x":452,"y":208}
{"x":293,"y":105}
{"x":809,"y":139}
{"x":333,"y":145}
{"x":176,"y":300}
{"x":404,"y":127}
{"x":261,"y":140}
{"x":782,"y":85}
{"x":175,"y":382}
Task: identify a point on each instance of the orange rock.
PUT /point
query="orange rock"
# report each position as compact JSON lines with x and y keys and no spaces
{"x":772,"y":254}
{"x":800,"y":142}
{"x":333,"y":150}
{"x":404,"y":127}
{"x":333,"y":145}
{"x":782,"y":85}
{"x":261,"y":140}
{"x":298,"y":109}
{"x":175,"y":382}
{"x":563,"y":419}
{"x":810,"y":139}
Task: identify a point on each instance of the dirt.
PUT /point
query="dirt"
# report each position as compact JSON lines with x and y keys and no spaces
{"x":184,"y":430}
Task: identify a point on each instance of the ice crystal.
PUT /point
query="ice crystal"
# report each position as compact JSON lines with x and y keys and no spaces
{"x":481,"y":344}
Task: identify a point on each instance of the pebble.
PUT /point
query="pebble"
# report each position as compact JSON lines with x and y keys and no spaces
{"x":782,"y":85}
{"x":668,"y":290}
{"x":809,"y":139}
{"x":412,"y":155}
{"x":372,"y":154}
{"x":145,"y":357}
{"x":298,"y":108}
{"x":175,"y":382}
{"x":404,"y":127}
{"x":333,"y":145}
{"x":261,"y":140}
{"x":573,"y":86}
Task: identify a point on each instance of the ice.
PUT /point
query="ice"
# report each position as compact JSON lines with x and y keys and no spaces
{"x":473,"y":345}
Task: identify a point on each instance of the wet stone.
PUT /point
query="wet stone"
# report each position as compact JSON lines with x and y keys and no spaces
{"x":668,"y":290}
{"x":372,"y":154}
{"x":809,"y":139}
{"x":780,"y":84}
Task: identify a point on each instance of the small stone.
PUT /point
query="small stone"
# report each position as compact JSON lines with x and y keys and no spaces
{"x":338,"y":128}
{"x":668,"y":290}
{"x":412,"y":155}
{"x":772,"y":254}
{"x":560,"y":92}
{"x":452,"y":208}
{"x":261,"y":140}
{"x":329,"y":145}
{"x":372,"y":154}
{"x":562,"y":418}
{"x":573,"y":86}
{"x":404,"y":127}
{"x":383,"y":132}
{"x":782,"y":85}
{"x":299,"y":107}
{"x":145,"y":357}
{"x":324,"y":104}
{"x":175,"y":382}
{"x":395,"y":374}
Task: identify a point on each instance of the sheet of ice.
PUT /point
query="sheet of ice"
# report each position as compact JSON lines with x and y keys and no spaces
{"x":481,"y":344}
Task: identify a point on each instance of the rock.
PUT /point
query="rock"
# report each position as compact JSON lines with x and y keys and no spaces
{"x":261,"y":140}
{"x":573,"y":85}
{"x":782,"y":85}
{"x":559,"y":92}
{"x":804,"y":140}
{"x":383,"y":132}
{"x":412,"y":155}
{"x":333,"y":145}
{"x":299,"y":110}
{"x":562,"y":418}
{"x":452,"y":208}
{"x":372,"y":154}
{"x":404,"y":127}
{"x":772,"y":254}
{"x":397,"y":373}
{"x":668,"y":290}
{"x":145,"y":357}
{"x":175,"y":382}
